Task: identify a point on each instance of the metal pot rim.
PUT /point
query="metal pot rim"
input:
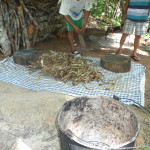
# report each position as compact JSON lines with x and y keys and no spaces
{"x":87,"y":143}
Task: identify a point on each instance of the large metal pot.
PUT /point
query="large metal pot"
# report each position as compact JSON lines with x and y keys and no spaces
{"x":97,"y":124}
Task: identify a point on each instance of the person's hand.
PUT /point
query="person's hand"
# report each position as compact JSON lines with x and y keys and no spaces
{"x":77,"y":29}
{"x":83,"y":29}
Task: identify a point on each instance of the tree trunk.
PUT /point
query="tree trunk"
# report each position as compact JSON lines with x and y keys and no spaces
{"x":116,"y":63}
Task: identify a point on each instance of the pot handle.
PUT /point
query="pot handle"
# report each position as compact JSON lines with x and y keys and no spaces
{"x":119,"y":99}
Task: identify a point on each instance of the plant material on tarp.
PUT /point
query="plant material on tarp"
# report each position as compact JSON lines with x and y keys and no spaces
{"x":65,"y":67}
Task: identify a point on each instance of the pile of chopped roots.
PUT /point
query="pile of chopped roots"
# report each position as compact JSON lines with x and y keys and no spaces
{"x":65,"y":67}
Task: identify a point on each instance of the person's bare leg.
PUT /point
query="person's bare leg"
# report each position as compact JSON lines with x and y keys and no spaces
{"x":136,"y":44}
{"x":73,"y":35}
{"x":123,"y":38}
{"x":70,"y":40}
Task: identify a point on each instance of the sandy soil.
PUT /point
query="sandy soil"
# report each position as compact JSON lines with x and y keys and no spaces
{"x":27,"y":118}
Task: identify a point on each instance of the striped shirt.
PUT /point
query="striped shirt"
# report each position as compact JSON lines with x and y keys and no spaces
{"x":138,"y":10}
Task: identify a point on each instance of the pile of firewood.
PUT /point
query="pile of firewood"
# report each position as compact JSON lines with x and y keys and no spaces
{"x":25,"y":22}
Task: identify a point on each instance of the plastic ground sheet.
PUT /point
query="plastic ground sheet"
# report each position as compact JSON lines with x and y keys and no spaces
{"x":128,"y":86}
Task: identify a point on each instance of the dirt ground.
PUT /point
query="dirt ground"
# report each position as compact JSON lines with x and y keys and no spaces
{"x":27,"y":118}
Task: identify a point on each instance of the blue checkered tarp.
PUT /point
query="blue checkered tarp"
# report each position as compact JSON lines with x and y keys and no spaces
{"x":128,"y":86}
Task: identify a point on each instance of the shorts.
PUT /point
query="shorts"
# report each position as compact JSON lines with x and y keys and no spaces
{"x":78,"y":23}
{"x":137,"y":28}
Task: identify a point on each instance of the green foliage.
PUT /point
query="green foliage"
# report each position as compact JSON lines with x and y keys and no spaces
{"x":148,"y":49}
{"x":148,"y":148}
{"x":110,"y":12}
{"x":147,"y":36}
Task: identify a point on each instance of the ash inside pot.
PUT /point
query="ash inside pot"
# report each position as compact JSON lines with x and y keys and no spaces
{"x":98,"y":121}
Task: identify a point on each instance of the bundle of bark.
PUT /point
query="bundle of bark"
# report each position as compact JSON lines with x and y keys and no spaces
{"x":25,"y":22}
{"x":65,"y":67}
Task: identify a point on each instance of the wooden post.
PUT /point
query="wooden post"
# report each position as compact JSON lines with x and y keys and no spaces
{"x":81,"y":40}
{"x":26,"y":38}
{"x":33,"y":20}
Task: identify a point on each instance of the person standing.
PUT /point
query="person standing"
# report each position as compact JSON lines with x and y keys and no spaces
{"x":73,"y":12}
{"x":135,"y":20}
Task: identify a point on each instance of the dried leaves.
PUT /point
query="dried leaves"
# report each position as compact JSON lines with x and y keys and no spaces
{"x":65,"y":67}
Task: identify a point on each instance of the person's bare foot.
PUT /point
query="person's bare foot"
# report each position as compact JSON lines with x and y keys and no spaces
{"x":119,"y":52}
{"x":135,"y":58}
